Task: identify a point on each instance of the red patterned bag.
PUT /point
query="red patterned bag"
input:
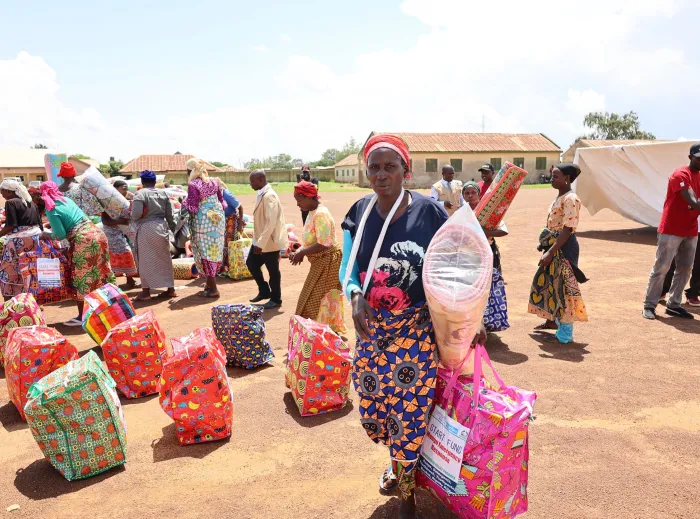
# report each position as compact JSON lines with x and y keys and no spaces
{"x":494,"y":204}
{"x":318,"y":367}
{"x":30,"y":355}
{"x":21,"y":310}
{"x":133,"y":351}
{"x":194,"y":389}
{"x":46,"y":290}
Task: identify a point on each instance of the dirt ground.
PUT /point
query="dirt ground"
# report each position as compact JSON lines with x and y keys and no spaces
{"x":616,"y":435}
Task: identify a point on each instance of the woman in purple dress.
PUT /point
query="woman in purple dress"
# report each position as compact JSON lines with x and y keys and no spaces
{"x":205,"y":203}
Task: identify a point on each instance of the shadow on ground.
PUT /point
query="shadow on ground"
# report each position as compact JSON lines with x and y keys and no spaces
{"x":572,"y":352}
{"x":314,"y":421}
{"x":427,"y":507}
{"x":11,"y":419}
{"x":167,"y":447}
{"x":501,"y":353}
{"x":639,"y":235}
{"x":41,"y":481}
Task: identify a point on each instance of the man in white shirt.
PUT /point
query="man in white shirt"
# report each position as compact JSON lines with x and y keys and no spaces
{"x":448,"y":191}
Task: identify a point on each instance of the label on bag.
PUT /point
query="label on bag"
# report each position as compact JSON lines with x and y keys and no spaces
{"x":246,"y":251}
{"x":48,"y":272}
{"x":443,"y":449}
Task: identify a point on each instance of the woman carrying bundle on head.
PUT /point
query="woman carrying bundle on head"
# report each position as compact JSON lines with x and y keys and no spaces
{"x":88,"y":248}
{"x":70,"y":188}
{"x":21,"y":233}
{"x":121,"y":257}
{"x":386,"y":235}
{"x":555,"y":294}
{"x":153,"y":220}
{"x":205,"y":203}
{"x":496,"y":315}
{"x":320,"y":247}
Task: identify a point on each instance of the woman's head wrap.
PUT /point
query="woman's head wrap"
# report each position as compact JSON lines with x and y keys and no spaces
{"x":148,"y":176}
{"x":67,"y":170}
{"x":471,"y":183}
{"x":307,"y":189}
{"x":49,"y":194}
{"x":18,"y":189}
{"x":198,"y":168}
{"x":392,"y":142}
{"x":569,"y":169}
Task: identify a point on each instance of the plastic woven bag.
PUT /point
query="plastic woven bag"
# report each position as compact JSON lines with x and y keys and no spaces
{"x":77,"y":420}
{"x":31,"y":354}
{"x":110,"y":199}
{"x":241,"y":330}
{"x":21,"y":310}
{"x":105,"y":308}
{"x":238,"y":254}
{"x":318,"y":367}
{"x":194,"y":389}
{"x":133,"y":351}
{"x":457,"y":277}
{"x":494,"y":204}
{"x":46,"y":291}
{"x":475,"y":455}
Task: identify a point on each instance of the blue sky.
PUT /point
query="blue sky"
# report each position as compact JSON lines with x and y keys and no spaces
{"x":232,"y":80}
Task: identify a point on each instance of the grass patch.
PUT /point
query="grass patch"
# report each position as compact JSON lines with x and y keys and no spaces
{"x":288,"y":188}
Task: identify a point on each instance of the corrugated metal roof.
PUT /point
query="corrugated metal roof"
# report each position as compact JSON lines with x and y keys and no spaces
{"x":158,"y":163}
{"x":350,"y":160}
{"x":595,"y":143}
{"x":476,"y":142}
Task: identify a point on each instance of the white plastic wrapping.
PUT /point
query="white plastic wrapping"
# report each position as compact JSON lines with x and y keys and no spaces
{"x":457,"y":276}
{"x":110,"y":199}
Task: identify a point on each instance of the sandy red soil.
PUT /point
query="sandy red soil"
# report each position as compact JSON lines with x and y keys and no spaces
{"x":616,"y":434}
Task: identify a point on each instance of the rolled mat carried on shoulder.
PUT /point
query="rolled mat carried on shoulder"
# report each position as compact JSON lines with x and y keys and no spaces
{"x":494,"y":204}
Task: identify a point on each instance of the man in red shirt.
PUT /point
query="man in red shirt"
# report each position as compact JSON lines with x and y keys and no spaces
{"x":678,"y":238}
{"x":487,"y":174}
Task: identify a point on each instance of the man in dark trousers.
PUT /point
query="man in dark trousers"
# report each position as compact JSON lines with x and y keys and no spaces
{"x":677,"y":238}
{"x":692,"y":293}
{"x":306,"y":175}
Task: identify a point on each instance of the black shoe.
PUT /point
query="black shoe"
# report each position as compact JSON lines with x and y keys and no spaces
{"x":270,"y":305}
{"x":679,"y":312}
{"x":260,"y":297}
{"x":648,"y":313}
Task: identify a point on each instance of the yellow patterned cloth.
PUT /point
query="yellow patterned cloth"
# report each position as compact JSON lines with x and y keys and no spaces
{"x":238,"y":253}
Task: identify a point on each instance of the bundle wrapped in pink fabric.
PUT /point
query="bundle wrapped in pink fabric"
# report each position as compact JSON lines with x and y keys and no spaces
{"x":475,"y":454}
{"x":457,"y":277}
{"x":494,"y":204}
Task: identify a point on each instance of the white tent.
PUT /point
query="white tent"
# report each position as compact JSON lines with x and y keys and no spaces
{"x":630,"y":180}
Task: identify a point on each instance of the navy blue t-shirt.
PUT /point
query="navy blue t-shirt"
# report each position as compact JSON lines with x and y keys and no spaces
{"x":397,"y":280}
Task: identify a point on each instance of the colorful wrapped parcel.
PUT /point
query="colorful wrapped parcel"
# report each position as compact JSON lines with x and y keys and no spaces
{"x":494,"y":204}
{"x":241,"y":330}
{"x":105,"y":308}
{"x":76,"y":418}
{"x":238,"y":254}
{"x":21,"y":310}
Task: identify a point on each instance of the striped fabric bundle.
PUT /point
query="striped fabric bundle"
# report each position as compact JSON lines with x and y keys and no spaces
{"x":105,"y":308}
{"x":494,"y":204}
{"x":457,"y":277}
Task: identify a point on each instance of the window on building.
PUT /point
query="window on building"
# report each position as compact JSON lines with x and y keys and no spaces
{"x":40,"y":178}
{"x":541,"y":163}
{"x":456,"y":165}
{"x":519,"y":161}
{"x":431,"y":165}
{"x":496,"y":163}
{"x":21,"y":178}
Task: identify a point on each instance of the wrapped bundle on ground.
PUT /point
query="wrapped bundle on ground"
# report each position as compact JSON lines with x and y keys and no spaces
{"x":457,"y":277}
{"x":475,"y":455}
{"x":110,"y":199}
{"x":318,"y":367}
{"x":76,"y":418}
{"x":241,"y":330}
{"x":133,"y":351}
{"x":184,"y":268}
{"x":21,"y":310}
{"x":31,"y":354}
{"x":194,"y":389}
{"x":494,"y":204}
{"x":238,"y":254}
{"x":46,"y":274}
{"x":105,"y":308}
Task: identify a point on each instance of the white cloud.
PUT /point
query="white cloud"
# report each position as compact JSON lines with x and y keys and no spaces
{"x":285,"y":38}
{"x":259,"y":48}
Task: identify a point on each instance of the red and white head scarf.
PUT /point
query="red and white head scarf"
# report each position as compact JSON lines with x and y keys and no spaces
{"x":392,"y":142}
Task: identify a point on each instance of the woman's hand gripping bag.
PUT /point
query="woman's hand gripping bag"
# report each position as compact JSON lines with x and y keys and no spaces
{"x":21,"y":310}
{"x":475,"y":454}
{"x":194,"y":389}
{"x":76,"y":418}
{"x":133,"y":351}
{"x":241,"y":330}
{"x":457,"y":278}
{"x":105,"y":308}
{"x":31,"y":354}
{"x":318,"y":367}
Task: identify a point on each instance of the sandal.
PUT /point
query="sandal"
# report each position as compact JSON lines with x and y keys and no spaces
{"x":388,"y":477}
{"x":210,"y":294}
{"x":546,"y":326}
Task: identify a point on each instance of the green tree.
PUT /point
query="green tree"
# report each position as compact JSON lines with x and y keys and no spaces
{"x":297,"y":163}
{"x":112,"y":168}
{"x":218,"y":164}
{"x":40,"y":147}
{"x":282,"y":161}
{"x":256,"y":163}
{"x":352,"y":147}
{"x":612,"y":126}
{"x":80,"y":156}
{"x":328,"y":158}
